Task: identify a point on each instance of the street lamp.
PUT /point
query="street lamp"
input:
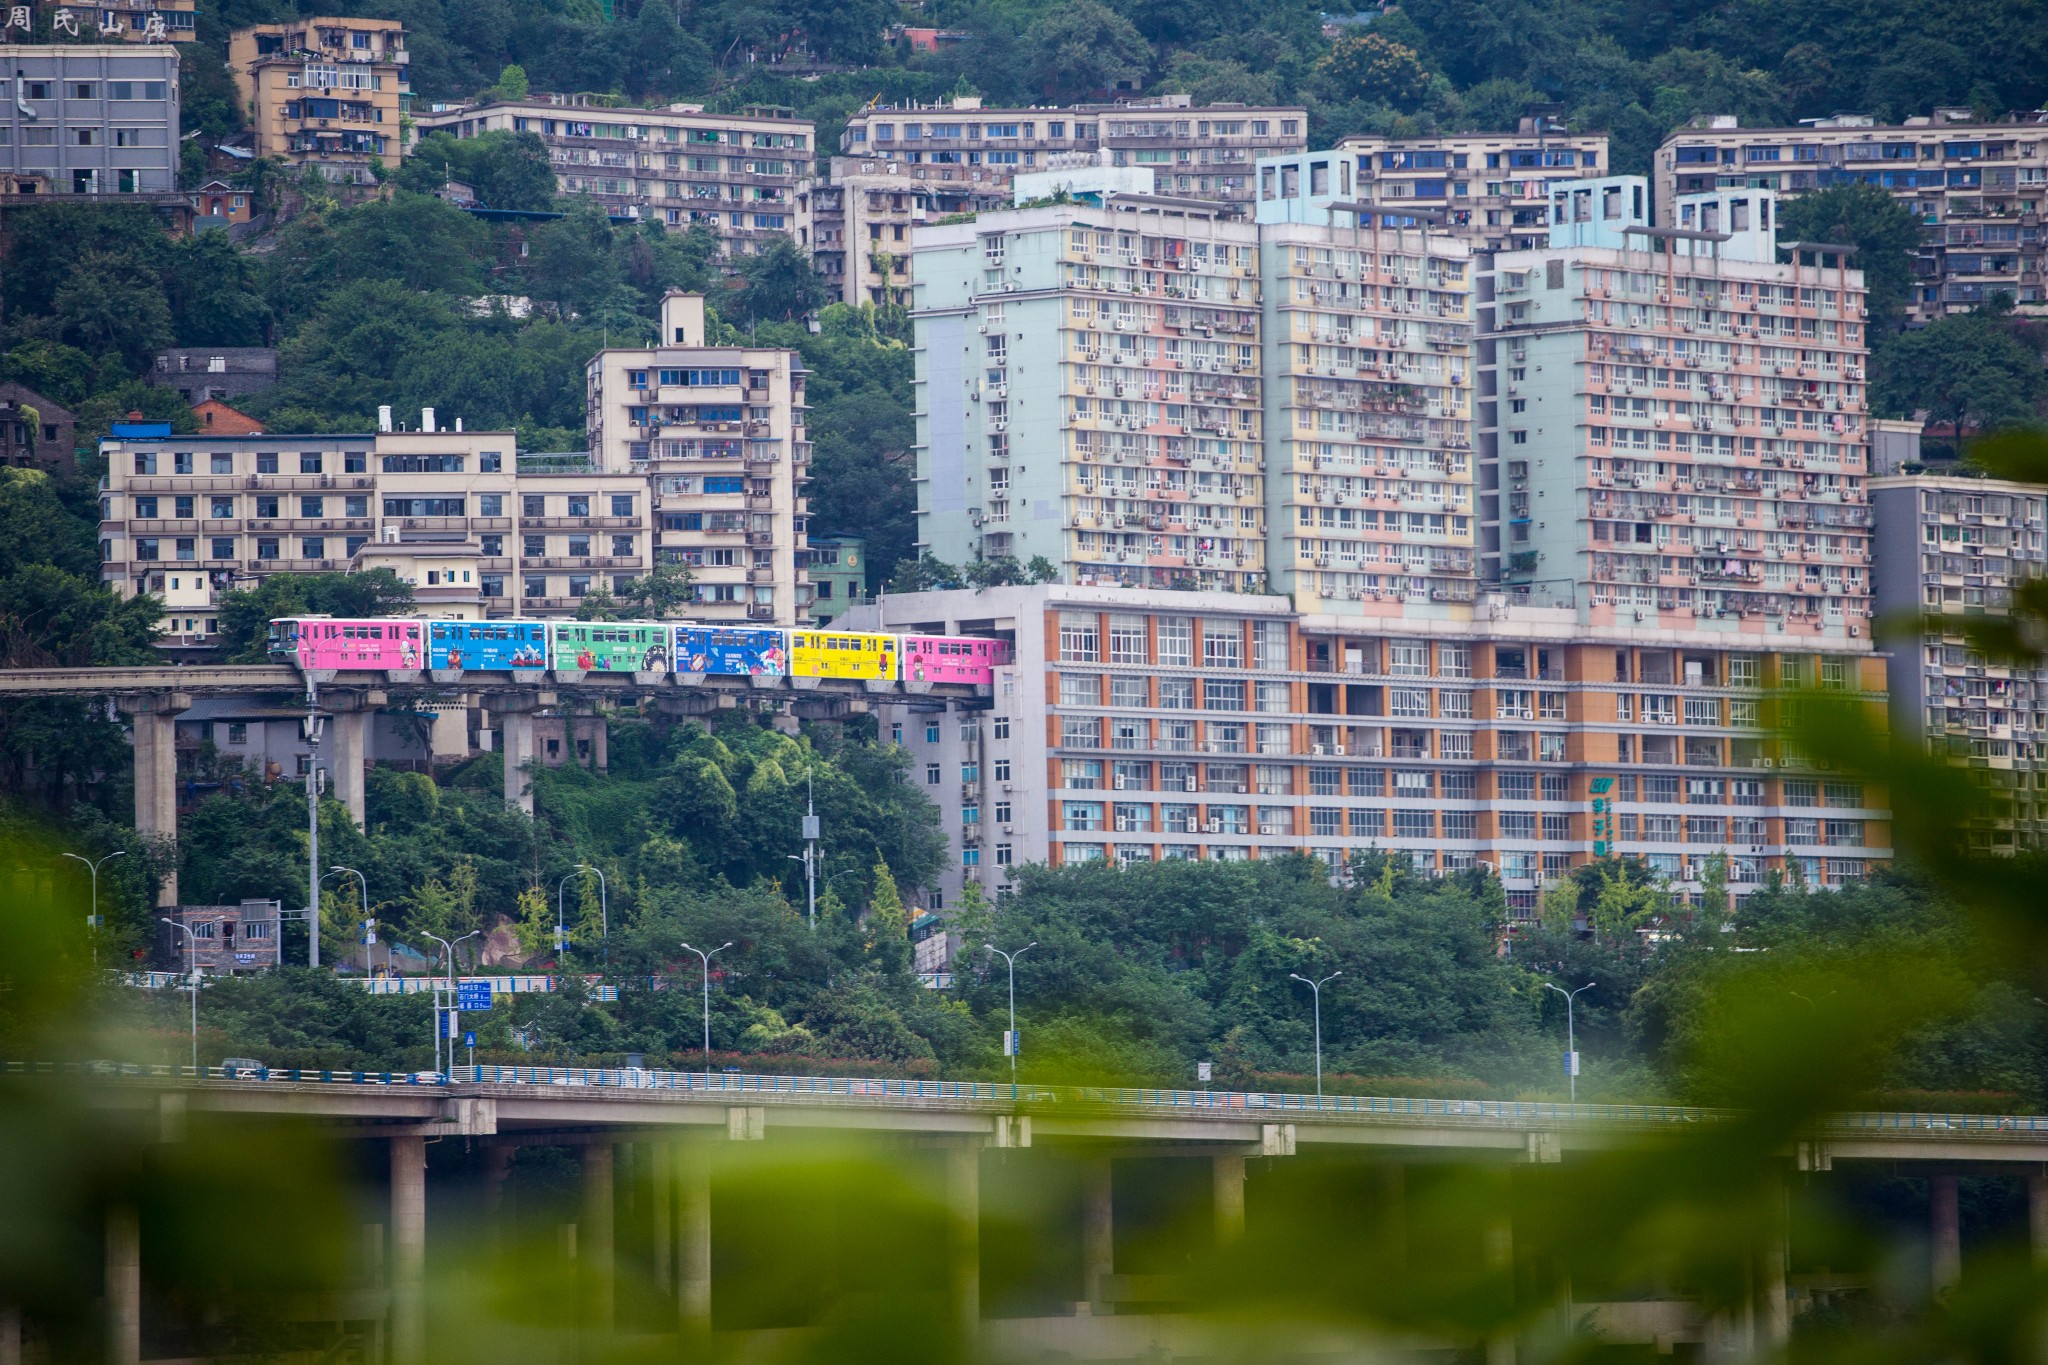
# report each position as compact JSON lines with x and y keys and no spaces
{"x":92,"y":921}
{"x":561,"y":931}
{"x":448,"y":973}
{"x":1317,"y":987}
{"x":193,"y":956}
{"x":604,"y":910}
{"x":364,"y":883}
{"x":1571,"y":1036}
{"x":707,"y":1000}
{"x":1010,"y":1038}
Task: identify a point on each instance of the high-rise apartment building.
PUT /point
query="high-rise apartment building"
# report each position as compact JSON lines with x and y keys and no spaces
{"x":1673,"y":424}
{"x":1954,"y":547}
{"x":717,"y":433}
{"x":1143,"y":725}
{"x":98,"y":120}
{"x":857,"y":226}
{"x":1088,"y":391}
{"x":736,"y":174}
{"x":1368,"y":374}
{"x":1491,"y":189}
{"x":1978,"y":187}
{"x":454,"y":512}
{"x":325,"y":93}
{"x":1202,"y":151}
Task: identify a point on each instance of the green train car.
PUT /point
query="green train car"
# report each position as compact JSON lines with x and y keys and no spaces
{"x":611,"y":647}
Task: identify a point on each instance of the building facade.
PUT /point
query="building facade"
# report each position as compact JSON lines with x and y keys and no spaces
{"x":135,"y":21}
{"x":325,"y":93}
{"x":97,"y":119}
{"x":858,"y":225}
{"x":837,"y":567}
{"x":1491,"y":189}
{"x":188,"y":517}
{"x":228,"y":372}
{"x":1141,"y":726}
{"x":717,"y":434}
{"x":36,"y":432}
{"x":1089,"y":391}
{"x":1979,"y":188}
{"x":1368,"y":373}
{"x":1673,"y":425}
{"x":1954,"y":548}
{"x":736,"y":174}
{"x":1200,"y":151}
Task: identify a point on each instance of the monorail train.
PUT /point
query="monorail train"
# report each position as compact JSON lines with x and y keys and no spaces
{"x":322,"y":643}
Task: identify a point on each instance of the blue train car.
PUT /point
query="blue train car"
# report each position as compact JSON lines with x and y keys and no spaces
{"x":489,"y":646}
{"x":744,"y":651}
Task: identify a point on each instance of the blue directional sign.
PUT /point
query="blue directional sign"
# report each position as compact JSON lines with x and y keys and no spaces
{"x":469,"y":1039}
{"x":473,"y":996}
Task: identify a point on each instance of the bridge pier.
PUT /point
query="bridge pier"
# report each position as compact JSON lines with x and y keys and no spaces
{"x":596,"y":1250}
{"x":515,"y":729}
{"x":408,"y":1250}
{"x":124,"y":1287}
{"x":693,"y":1240}
{"x":1946,"y":1234}
{"x":1098,"y":1231}
{"x":1227,"y":1176}
{"x":153,"y":718}
{"x":963,"y":1235}
{"x":349,"y":733}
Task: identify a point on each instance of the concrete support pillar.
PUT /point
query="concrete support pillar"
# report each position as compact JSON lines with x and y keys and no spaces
{"x":153,"y":717}
{"x":10,"y":1336}
{"x":1773,"y":1306}
{"x":1394,"y":1212}
{"x":963,"y":1236}
{"x":124,"y":1287}
{"x":693,"y":1240}
{"x":1098,"y":1230}
{"x":661,"y":1170}
{"x":596,"y":1244}
{"x":1945,"y":1233}
{"x":600,"y":743}
{"x":2037,"y":1215}
{"x":349,"y":734}
{"x":1228,"y":1177}
{"x":1499,"y":1250}
{"x":408,"y":1250}
{"x":497,"y":1170}
{"x":516,"y":729}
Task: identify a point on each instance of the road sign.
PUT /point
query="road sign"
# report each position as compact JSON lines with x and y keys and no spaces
{"x":473,"y":996}
{"x":1205,"y":1072}
{"x":469,"y":1039}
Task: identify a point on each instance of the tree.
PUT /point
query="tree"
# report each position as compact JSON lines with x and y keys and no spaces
{"x":597,"y":605}
{"x":512,"y":82}
{"x":1966,"y":371}
{"x":1084,"y":48}
{"x":112,"y":302}
{"x":1884,"y":232}
{"x":777,"y":284}
{"x":1371,"y":66}
{"x":533,"y":920}
{"x":860,"y":474}
{"x":664,"y":591}
{"x":246,"y":613}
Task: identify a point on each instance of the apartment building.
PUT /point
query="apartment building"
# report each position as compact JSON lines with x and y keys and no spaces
{"x":717,"y":434}
{"x":325,"y":93}
{"x":837,"y":567}
{"x":1206,"y":151}
{"x":1673,"y":425}
{"x":36,"y":432}
{"x":1954,"y":548}
{"x":1141,"y":726}
{"x":857,"y":226}
{"x":1491,"y":189}
{"x":133,"y":21}
{"x":452,"y":512}
{"x":1980,"y":189}
{"x":1368,"y":349}
{"x":736,"y":174}
{"x":1088,"y":390}
{"x":97,"y":119}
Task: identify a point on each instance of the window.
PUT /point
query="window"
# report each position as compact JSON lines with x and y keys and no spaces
{"x":1080,"y":637}
{"x":932,"y":774}
{"x":310,"y":462}
{"x":622,"y":504}
{"x":1176,"y":641}
{"x":1000,"y":727}
{"x":266,"y":462}
{"x":1080,"y":689}
{"x":1127,"y":640}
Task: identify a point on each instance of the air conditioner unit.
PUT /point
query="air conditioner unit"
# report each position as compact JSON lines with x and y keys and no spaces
{"x":1212,"y":827}
{"x":1191,"y":786}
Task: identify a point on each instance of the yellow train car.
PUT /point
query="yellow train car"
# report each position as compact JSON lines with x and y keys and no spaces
{"x":843,"y":654}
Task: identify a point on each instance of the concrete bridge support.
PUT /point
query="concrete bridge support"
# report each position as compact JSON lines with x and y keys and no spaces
{"x":515,"y":732}
{"x":349,"y":736}
{"x":153,"y":717}
{"x":408,"y":1250}
{"x":1098,"y":1232}
{"x":1228,"y":1180}
{"x":595,"y":1245}
{"x":963,"y":1235}
{"x":124,"y":1287}
{"x":1946,"y":1234}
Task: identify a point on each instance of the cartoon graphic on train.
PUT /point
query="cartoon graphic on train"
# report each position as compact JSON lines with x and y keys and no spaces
{"x":842,"y":654}
{"x":732,"y":651}
{"x":490,"y":646}
{"x":404,"y":645}
{"x":611,"y":646}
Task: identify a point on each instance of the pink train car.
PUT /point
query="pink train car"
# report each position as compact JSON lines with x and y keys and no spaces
{"x":952,"y":658}
{"x":319,"y":643}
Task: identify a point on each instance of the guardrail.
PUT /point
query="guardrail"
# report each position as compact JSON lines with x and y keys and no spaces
{"x":1219,"y":1104}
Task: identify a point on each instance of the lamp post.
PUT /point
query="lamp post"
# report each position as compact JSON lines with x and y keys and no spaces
{"x":561,"y":930}
{"x":364,"y":883}
{"x":1317,"y":987}
{"x":192,"y":945}
{"x":604,"y":910}
{"x":1010,"y":1038}
{"x":448,"y":974}
{"x":707,"y":1000}
{"x":1571,"y":1036}
{"x":810,"y":857}
{"x":92,"y":921}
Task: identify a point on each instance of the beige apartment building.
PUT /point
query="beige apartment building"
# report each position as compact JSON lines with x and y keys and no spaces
{"x":717,"y":435}
{"x":325,"y":93}
{"x":1491,"y":189}
{"x":858,"y":225}
{"x":451,"y":512}
{"x":736,"y":174}
{"x":1979,"y":188}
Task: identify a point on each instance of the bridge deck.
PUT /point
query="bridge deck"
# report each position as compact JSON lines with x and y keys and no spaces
{"x":248,"y":678}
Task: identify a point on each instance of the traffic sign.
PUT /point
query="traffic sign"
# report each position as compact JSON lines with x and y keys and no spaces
{"x":469,"y":1039}
{"x":473,"y":996}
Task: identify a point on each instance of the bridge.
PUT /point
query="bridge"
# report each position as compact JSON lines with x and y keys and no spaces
{"x":153,"y":697}
{"x":658,"y":1140}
